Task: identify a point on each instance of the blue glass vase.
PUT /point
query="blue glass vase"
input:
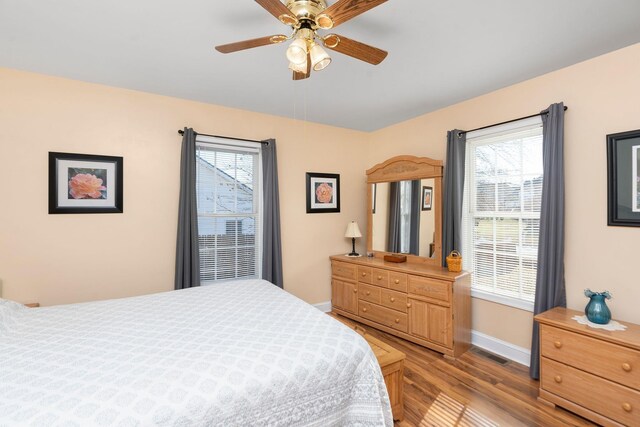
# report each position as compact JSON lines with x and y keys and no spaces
{"x":597,"y":310}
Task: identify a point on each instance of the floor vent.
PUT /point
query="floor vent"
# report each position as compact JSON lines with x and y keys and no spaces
{"x":494,"y":357}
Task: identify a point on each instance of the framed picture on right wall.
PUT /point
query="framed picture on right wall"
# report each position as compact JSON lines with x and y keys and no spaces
{"x":623,"y":179}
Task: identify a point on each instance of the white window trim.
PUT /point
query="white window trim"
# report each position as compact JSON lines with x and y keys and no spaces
{"x":494,"y":131}
{"x":250,"y":146}
{"x":501,"y":299}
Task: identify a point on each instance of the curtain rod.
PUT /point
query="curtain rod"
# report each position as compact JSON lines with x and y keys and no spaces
{"x":181,"y":132}
{"x":508,"y":121}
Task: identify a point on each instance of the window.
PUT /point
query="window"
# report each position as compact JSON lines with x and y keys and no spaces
{"x":228,"y":186}
{"x":501,"y":211}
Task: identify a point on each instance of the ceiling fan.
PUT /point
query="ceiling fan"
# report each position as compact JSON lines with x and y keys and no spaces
{"x":306,"y":17}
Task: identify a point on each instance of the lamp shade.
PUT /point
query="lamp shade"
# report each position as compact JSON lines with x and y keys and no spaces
{"x":299,"y":68}
{"x":319,"y":58}
{"x":297,"y":52}
{"x":352,"y":230}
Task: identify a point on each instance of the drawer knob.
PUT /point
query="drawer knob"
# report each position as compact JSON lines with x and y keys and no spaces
{"x":355,"y":291}
{"x":557,"y":344}
{"x":379,"y":277}
{"x":626,"y":367}
{"x":368,"y":293}
{"x":397,"y":320}
{"x":397,"y":281}
{"x":408,"y":305}
{"x":558,"y":379}
{"x":392,"y":299}
{"x":364,"y":309}
{"x":364,"y":274}
{"x":627,"y":406}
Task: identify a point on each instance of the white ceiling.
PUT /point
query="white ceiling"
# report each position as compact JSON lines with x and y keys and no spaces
{"x":440,"y":52}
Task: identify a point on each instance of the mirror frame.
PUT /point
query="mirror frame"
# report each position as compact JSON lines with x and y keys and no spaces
{"x":408,"y":168}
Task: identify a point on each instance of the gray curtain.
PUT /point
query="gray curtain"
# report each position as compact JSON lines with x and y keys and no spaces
{"x":550,"y":289}
{"x":416,"y":209}
{"x":187,"y":250}
{"x":453,"y":193}
{"x":272,"y":243}
{"x":395,"y":216}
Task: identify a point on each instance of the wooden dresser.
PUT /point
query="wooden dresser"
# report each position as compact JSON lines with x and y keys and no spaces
{"x":421,"y":303}
{"x":591,"y":372}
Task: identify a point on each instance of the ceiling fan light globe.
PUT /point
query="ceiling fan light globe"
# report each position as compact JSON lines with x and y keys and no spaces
{"x":298,"y":68}
{"x":320,"y":59}
{"x":297,"y":52}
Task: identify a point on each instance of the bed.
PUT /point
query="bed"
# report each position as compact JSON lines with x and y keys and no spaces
{"x":230,"y":354}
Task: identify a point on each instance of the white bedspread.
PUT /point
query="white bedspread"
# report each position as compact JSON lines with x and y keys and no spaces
{"x":234,"y":354}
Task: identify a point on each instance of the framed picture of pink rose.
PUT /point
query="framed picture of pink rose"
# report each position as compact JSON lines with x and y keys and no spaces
{"x":84,"y":183}
{"x":323,"y":192}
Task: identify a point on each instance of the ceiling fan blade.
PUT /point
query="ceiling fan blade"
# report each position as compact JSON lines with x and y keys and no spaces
{"x":302,"y":76}
{"x":249,"y":44}
{"x":355,"y":49}
{"x":344,"y":10}
{"x":279,"y":10}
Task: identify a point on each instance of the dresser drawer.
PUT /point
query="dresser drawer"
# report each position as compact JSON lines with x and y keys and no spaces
{"x":430,"y":288}
{"x":364,"y":274}
{"x":393,"y":299}
{"x":380,"y":278}
{"x":343,"y":270}
{"x":384,"y":316}
{"x":611,"y":361}
{"x":398,"y":281}
{"x":604,"y":397}
{"x":369,"y":293}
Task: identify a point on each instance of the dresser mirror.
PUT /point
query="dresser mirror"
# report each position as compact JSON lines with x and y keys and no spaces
{"x":405,"y":208}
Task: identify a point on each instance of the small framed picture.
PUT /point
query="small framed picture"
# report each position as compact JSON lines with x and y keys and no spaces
{"x":427,"y":198}
{"x":83,"y":183}
{"x":323,"y":192}
{"x":623,"y":179}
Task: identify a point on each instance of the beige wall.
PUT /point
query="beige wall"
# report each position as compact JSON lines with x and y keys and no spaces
{"x":67,"y":258}
{"x":602,"y":96}
{"x":55,"y":259}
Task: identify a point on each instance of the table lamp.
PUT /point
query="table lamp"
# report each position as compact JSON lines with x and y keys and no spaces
{"x":352,"y":232}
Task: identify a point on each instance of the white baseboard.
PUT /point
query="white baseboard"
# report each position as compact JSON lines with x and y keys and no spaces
{"x":324,"y":307}
{"x":501,"y":348}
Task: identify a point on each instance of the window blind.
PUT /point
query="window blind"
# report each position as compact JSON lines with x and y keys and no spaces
{"x":228,"y":186}
{"x":501,"y":211}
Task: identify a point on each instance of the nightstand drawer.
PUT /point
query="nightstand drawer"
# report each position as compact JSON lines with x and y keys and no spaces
{"x":611,"y":361}
{"x":343,"y":270}
{"x":384,"y":316}
{"x":604,"y":397}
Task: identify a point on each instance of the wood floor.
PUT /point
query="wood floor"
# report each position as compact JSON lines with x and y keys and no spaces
{"x":477,"y":389}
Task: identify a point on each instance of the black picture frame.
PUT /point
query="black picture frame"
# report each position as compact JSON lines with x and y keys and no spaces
{"x":319,"y":201}
{"x":623,"y":179}
{"x":85,"y":183}
{"x":427,"y":198}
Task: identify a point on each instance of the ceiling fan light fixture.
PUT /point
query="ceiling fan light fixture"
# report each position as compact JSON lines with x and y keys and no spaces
{"x":297,"y":52}
{"x":320,"y":59}
{"x":299,"y":68}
